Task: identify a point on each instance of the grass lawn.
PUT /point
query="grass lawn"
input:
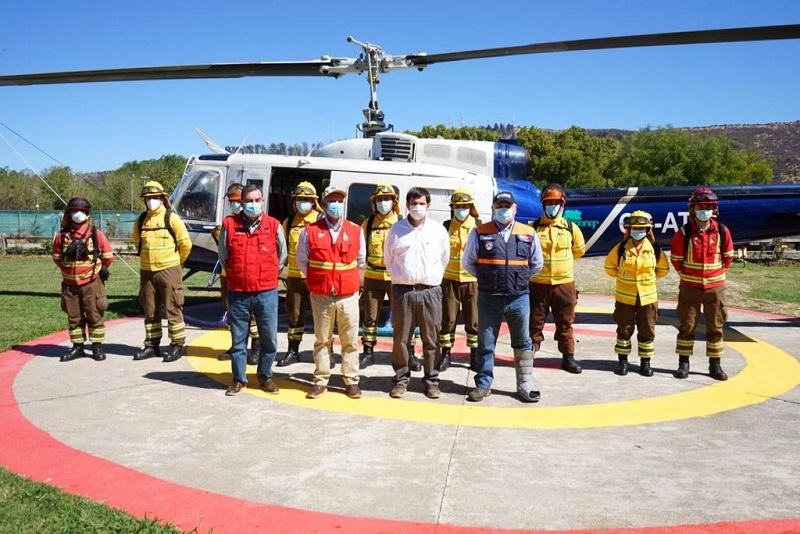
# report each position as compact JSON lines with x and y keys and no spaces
{"x":30,"y":289}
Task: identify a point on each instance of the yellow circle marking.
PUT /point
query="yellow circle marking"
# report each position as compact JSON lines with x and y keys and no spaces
{"x":768,"y":372}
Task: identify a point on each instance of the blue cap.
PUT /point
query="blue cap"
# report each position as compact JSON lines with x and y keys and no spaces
{"x":504,"y":196}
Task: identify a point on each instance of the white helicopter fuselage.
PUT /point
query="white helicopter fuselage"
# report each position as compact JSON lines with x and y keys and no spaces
{"x":200,"y":199}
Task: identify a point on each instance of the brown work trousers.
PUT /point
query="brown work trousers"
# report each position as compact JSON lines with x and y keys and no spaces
{"x":157,"y":289}
{"x":712,"y":300}
{"x":640,"y":317}
{"x":561,"y":300}
{"x":463,"y":296}
{"x":373,"y":294}
{"x":85,"y":306}
{"x":297,"y":301}
{"x":414,"y":306}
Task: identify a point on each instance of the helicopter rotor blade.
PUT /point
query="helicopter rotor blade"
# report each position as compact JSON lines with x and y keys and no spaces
{"x":731,"y":35}
{"x":320,"y":67}
{"x":338,"y":66}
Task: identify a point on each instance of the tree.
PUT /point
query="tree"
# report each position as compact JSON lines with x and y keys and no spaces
{"x":669,"y":157}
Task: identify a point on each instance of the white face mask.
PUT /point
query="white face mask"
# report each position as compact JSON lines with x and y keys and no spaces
{"x":303,"y":206}
{"x":461,"y":213}
{"x":236,"y":207}
{"x":78,"y":217}
{"x":384,"y":206}
{"x":703,"y":215}
{"x":417,"y":211}
{"x":153,"y":203}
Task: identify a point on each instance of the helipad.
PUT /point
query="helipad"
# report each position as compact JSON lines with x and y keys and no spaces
{"x":598,"y":453}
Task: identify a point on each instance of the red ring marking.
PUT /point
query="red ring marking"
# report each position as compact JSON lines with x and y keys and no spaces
{"x":33,"y":453}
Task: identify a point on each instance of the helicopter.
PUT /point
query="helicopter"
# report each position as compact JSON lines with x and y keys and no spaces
{"x":382,"y":155}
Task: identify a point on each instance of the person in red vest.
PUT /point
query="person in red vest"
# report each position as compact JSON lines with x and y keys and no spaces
{"x":83,"y":254}
{"x":252,"y":249}
{"x":701,"y":252}
{"x":331,"y":253}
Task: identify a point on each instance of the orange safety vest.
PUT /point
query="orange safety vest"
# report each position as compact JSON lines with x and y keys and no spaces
{"x":333,"y":267}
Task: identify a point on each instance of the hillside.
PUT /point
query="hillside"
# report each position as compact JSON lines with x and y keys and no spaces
{"x":779,"y":141}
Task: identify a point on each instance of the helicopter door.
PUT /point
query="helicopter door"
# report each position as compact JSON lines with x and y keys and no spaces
{"x":282,"y":182}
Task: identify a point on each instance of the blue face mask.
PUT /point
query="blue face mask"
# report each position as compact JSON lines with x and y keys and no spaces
{"x":252,"y":209}
{"x":303,"y":206}
{"x":236,"y":207}
{"x":384,"y":206}
{"x":335,"y":209}
{"x":703,"y":215}
{"x":552,"y":210}
{"x":461,"y":213}
{"x":638,"y":235}
{"x":503,"y":215}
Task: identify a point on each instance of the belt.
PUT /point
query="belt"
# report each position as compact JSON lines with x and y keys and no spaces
{"x":415,"y":287}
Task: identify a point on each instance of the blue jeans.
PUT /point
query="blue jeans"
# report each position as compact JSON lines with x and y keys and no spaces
{"x":492,"y":311}
{"x":264,"y":307}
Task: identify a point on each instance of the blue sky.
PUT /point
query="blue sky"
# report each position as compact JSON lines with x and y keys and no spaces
{"x":92,"y":127}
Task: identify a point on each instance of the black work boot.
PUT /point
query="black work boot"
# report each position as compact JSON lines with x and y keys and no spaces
{"x":176,"y":352}
{"x":254,"y":352}
{"x":292,"y":354}
{"x":98,"y":354}
{"x":715,"y":370}
{"x":148,"y":352}
{"x":644,"y":367}
{"x":413,"y":362}
{"x":74,"y":353}
{"x":473,"y":359}
{"x":367,"y":357}
{"x":569,"y":364}
{"x":622,"y":366}
{"x":683,"y":367}
{"x":225,"y":356}
{"x":445,"y":363}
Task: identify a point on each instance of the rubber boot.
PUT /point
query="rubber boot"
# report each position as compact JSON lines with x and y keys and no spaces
{"x":367,"y":357}
{"x":644,"y":367}
{"x":254,"y":352}
{"x":292,"y":354}
{"x":715,"y":370}
{"x":622,"y":366}
{"x":523,"y":365}
{"x":74,"y":353}
{"x":445,"y":363}
{"x":98,"y":354}
{"x":473,"y":359}
{"x":569,"y":364}
{"x":683,"y":367}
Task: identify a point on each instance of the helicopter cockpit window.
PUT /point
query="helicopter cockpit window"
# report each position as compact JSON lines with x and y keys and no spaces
{"x":197,"y":198}
{"x":359,"y":204}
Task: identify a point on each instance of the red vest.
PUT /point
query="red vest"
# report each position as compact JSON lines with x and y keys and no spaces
{"x":252,"y":258}
{"x":333,"y":267}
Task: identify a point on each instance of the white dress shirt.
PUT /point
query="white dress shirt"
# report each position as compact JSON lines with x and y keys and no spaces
{"x":417,"y":254}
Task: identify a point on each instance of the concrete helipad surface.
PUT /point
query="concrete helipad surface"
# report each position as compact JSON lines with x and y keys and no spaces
{"x":598,"y":453}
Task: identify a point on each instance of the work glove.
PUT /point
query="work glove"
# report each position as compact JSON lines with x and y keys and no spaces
{"x":104,"y":274}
